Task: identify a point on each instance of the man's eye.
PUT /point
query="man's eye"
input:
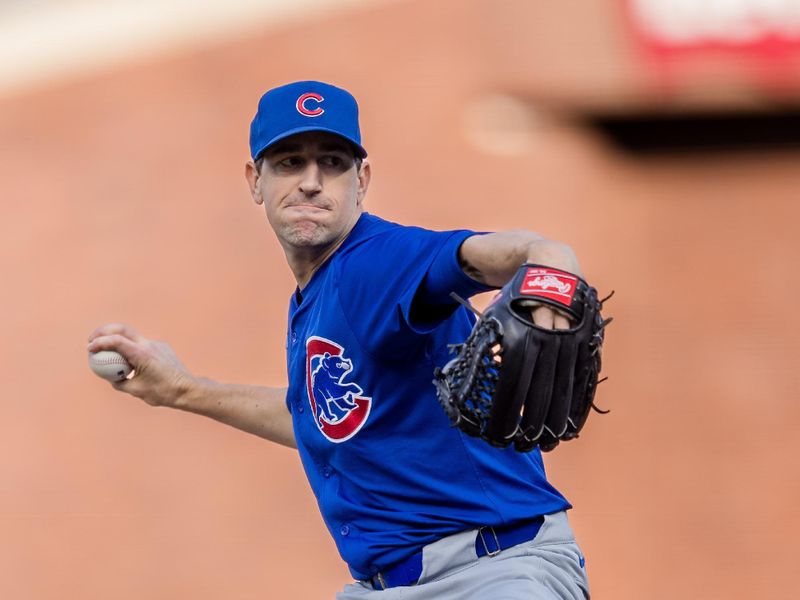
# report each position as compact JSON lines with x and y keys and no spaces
{"x":331,"y":161}
{"x":289,"y":162}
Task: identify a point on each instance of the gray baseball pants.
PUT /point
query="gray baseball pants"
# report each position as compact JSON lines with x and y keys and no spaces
{"x":549,"y":567}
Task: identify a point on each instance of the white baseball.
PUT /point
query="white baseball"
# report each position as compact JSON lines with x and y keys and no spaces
{"x":109,"y":365}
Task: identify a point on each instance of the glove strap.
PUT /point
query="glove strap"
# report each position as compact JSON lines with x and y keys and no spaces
{"x":547,"y":285}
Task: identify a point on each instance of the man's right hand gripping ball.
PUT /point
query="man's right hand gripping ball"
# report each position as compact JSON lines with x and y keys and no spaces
{"x":513,"y":382}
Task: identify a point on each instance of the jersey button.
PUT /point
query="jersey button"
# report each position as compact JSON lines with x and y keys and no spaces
{"x":345,"y":529}
{"x":300,"y":407}
{"x":327,"y":471}
{"x":294,"y":337}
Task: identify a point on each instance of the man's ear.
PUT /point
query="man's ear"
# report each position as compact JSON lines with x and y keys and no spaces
{"x":364,"y":176}
{"x":253,"y":181}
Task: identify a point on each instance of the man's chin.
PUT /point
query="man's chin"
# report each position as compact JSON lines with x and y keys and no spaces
{"x":306,"y":235}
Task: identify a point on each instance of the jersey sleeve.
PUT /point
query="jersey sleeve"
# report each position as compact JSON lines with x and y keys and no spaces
{"x":396,"y":288}
{"x":445,"y":275}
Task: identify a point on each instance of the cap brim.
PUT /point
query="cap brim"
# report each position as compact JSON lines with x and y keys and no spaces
{"x":358,"y":149}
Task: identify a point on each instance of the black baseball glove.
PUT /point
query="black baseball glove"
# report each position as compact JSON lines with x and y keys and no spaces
{"x":513,"y":382}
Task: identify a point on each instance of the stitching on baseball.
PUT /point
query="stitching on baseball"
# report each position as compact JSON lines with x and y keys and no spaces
{"x":109,"y":361}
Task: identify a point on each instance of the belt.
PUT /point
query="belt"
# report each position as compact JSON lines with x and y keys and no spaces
{"x":489,"y":541}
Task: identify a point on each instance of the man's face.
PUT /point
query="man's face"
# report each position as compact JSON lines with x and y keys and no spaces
{"x":311,"y":189}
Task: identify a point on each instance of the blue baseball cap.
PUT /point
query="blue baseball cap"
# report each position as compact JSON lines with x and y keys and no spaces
{"x":305,"y":106}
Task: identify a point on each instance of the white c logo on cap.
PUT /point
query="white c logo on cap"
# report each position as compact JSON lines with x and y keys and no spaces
{"x":301,"y":105}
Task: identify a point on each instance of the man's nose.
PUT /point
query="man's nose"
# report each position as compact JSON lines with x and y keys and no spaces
{"x":311,"y":182}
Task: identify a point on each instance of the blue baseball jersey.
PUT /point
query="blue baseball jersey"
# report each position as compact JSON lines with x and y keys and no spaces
{"x":389,"y":472}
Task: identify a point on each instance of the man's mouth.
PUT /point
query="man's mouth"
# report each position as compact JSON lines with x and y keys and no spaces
{"x":303,"y":205}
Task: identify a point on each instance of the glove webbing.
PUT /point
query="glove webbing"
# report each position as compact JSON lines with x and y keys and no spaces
{"x":466,"y":384}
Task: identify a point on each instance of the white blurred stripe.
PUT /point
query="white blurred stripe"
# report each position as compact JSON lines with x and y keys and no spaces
{"x":45,"y":41}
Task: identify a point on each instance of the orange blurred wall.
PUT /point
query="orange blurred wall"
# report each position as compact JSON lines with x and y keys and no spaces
{"x":124,"y":199}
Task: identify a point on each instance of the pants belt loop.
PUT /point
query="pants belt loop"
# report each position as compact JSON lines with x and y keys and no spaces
{"x":481,"y":535}
{"x":381,"y":582}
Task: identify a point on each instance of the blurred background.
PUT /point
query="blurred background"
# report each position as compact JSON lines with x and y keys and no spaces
{"x":660,"y":138}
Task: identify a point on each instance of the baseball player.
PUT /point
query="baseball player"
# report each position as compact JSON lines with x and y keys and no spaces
{"x":417,"y":508}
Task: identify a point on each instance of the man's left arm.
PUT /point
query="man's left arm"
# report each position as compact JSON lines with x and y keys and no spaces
{"x":494,"y":258}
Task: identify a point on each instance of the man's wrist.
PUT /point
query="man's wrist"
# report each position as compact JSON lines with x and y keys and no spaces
{"x":549,"y":253}
{"x":191,"y":391}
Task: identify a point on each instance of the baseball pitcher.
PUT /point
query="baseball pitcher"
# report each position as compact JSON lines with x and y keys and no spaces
{"x":420,"y":426}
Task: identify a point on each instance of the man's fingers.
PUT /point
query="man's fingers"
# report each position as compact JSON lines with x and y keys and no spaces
{"x":549,"y":318}
{"x":543,"y":316}
{"x":118,"y":343}
{"x":129,"y":386}
{"x":561,"y":322}
{"x":118,"y":329}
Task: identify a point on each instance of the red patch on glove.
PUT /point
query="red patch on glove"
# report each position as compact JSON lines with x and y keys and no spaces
{"x":550,"y":283}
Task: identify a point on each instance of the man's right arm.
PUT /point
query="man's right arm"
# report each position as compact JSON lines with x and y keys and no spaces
{"x":160,"y":379}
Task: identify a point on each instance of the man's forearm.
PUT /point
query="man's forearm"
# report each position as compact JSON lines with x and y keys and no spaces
{"x":161,"y":379}
{"x":258,"y":410}
{"x":494,"y":258}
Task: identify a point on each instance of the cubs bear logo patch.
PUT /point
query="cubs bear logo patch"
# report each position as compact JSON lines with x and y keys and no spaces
{"x":339,"y":406}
